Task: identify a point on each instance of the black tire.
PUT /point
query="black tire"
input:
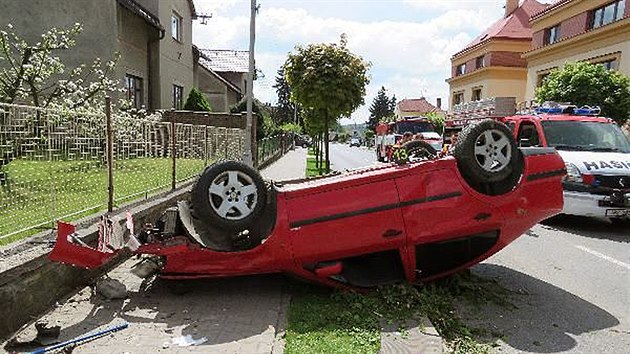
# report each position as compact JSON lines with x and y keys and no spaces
{"x":499,"y":157}
{"x":419,"y":150}
{"x":217,"y":197}
{"x":489,"y":181}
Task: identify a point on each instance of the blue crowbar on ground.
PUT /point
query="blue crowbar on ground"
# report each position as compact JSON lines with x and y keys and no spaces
{"x":80,"y":339}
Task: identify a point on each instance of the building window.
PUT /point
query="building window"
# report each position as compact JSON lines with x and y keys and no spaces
{"x":176,"y":26}
{"x":610,"y":64}
{"x":552,"y":34}
{"x":480,"y":62}
{"x":178,"y":97}
{"x":133,"y":85}
{"x":460,"y":70}
{"x":476,"y":94}
{"x":541,"y":78}
{"x":458,"y":97}
{"x":608,"y":14}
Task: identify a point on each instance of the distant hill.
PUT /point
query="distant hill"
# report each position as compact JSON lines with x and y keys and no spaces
{"x":359,"y":128}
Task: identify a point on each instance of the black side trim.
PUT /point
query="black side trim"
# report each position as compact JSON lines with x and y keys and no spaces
{"x":546,"y":174}
{"x":373,"y":209}
{"x":533,"y":151}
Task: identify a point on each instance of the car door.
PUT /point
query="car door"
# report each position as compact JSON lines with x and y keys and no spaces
{"x":351,"y":233}
{"x":446,"y":226}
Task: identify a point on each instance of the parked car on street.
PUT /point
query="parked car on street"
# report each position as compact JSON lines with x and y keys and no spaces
{"x":302,"y":140}
{"x":355,"y":142}
{"x":416,"y":222}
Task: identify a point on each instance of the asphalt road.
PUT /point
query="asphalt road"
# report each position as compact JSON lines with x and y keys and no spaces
{"x":568,"y":282}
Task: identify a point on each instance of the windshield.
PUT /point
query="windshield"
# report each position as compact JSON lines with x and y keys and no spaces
{"x":414,"y":127}
{"x":588,"y":136}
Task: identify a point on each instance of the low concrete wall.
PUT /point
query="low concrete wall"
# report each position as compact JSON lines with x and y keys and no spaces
{"x":30,"y":289}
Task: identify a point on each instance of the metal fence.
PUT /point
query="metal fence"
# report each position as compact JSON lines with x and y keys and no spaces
{"x":54,"y":165}
{"x":272,"y":147}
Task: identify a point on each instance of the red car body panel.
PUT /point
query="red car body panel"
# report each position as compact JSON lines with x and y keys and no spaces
{"x":391,"y":209}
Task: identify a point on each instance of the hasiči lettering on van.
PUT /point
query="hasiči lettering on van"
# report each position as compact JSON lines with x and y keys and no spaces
{"x":596,"y":165}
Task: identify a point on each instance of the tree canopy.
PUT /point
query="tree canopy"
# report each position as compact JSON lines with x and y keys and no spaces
{"x":328,"y":81}
{"x":582,"y":83}
{"x":382,"y":107}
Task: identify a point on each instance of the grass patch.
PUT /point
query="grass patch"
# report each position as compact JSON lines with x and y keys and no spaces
{"x":332,"y":321}
{"x":311,"y":165}
{"x":41,"y":191}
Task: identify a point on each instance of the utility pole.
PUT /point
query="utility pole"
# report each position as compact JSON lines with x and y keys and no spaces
{"x":247,"y":156}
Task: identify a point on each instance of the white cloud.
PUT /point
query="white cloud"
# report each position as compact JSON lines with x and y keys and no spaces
{"x":408,"y":58}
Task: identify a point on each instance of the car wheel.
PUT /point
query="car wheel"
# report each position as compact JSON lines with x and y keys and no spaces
{"x":418,"y":150}
{"x":486,"y":151}
{"x":229,"y":195}
{"x":488,"y":158}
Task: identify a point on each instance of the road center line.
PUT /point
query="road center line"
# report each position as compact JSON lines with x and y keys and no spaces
{"x":605,"y":257}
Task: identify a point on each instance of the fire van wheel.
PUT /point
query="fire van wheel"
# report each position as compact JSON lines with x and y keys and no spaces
{"x":229,"y":195}
{"x":486,"y":152}
{"x":419,"y":150}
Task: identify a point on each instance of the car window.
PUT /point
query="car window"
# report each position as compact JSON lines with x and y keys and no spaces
{"x":414,"y":127}
{"x":528,"y":135}
{"x":579,"y":135}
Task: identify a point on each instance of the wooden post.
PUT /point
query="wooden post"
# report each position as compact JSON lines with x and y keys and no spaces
{"x":205,"y":145}
{"x":173,"y":151}
{"x":110,"y":154}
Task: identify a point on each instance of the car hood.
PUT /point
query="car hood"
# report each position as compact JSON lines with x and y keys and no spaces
{"x":605,"y":163}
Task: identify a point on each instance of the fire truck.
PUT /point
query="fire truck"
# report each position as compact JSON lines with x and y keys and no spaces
{"x":595,"y":150}
{"x":388,"y":135}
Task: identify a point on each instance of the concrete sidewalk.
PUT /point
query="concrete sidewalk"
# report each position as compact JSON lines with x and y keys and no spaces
{"x":236,"y":315}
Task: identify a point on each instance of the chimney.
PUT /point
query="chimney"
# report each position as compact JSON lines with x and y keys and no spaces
{"x":510,"y":6}
{"x":438,"y":103}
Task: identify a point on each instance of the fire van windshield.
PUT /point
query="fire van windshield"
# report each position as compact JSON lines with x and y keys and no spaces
{"x":414,"y":127}
{"x":585,"y":136}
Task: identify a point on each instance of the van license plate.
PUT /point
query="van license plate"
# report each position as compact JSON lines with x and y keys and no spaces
{"x":617,"y":212}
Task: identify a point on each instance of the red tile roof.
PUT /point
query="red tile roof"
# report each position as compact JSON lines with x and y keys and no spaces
{"x":420,"y":105}
{"x":514,"y":26}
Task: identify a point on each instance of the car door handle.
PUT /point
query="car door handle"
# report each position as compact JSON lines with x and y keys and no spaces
{"x":392,"y":233}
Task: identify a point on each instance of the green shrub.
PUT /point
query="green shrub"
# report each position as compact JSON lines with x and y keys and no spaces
{"x":196,"y":101}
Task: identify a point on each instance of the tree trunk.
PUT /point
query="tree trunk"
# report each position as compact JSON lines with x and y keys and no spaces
{"x":321,"y":151}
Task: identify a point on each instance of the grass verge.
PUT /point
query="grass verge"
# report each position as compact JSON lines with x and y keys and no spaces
{"x":41,"y":191}
{"x":311,"y":165}
{"x":332,"y":321}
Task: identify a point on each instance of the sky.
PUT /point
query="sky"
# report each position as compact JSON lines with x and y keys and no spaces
{"x":409,"y":43}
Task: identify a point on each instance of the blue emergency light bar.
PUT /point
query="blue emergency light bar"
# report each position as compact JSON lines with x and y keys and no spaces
{"x":569,"y":109}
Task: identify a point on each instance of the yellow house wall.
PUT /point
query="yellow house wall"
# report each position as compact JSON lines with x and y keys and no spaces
{"x":494,"y":82}
{"x":593,"y":46}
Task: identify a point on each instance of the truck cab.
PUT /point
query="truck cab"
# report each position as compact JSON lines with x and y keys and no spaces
{"x":597,"y":158}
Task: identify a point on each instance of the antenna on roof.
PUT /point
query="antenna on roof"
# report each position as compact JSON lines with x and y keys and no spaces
{"x":204,"y":18}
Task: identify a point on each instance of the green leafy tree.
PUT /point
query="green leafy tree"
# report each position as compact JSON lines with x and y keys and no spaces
{"x":382,"y":107}
{"x":328,"y":79}
{"x":197,"y":101}
{"x":437,"y":120}
{"x":582,"y":83}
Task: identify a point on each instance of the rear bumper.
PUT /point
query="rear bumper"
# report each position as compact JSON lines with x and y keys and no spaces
{"x":586,"y":204}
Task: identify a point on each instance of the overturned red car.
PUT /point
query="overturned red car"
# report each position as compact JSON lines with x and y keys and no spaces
{"x":416,"y":221}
